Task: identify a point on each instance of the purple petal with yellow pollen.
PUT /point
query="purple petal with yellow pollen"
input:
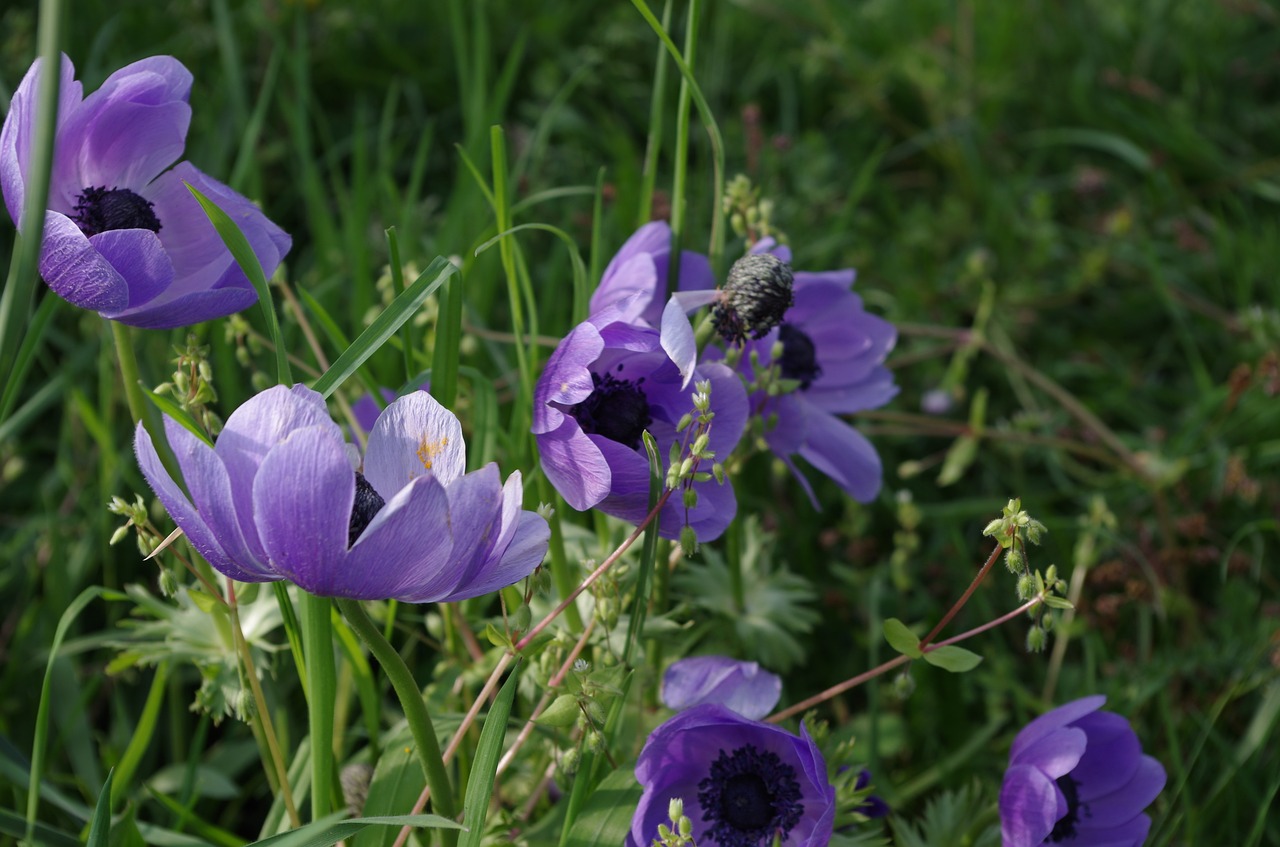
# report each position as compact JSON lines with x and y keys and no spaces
{"x":414,"y":436}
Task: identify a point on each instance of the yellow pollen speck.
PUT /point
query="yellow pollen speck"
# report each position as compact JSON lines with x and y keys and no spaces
{"x":564,"y":386}
{"x":428,"y":450}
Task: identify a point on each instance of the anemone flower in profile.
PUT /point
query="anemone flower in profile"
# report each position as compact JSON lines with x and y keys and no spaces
{"x":637,"y":275}
{"x":277,"y":497}
{"x":1078,"y":776}
{"x":123,"y":236}
{"x":605,"y":384}
{"x":743,"y":687}
{"x":743,"y":782}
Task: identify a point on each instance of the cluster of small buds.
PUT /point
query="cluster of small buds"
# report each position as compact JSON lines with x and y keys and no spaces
{"x":249,"y":346}
{"x":680,"y":833}
{"x":192,"y":384}
{"x":136,"y":518}
{"x":1014,"y":529}
{"x":749,"y":213}
{"x":688,"y":454}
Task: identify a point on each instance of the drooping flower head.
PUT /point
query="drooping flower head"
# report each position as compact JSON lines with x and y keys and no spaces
{"x":606,"y":383}
{"x":123,"y":235}
{"x":834,"y":351}
{"x":277,"y":497}
{"x":743,"y":782}
{"x":743,"y":687}
{"x":1078,"y":776}
{"x":637,"y":275}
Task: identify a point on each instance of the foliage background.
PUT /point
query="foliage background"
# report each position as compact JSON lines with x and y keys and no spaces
{"x":1090,"y":185}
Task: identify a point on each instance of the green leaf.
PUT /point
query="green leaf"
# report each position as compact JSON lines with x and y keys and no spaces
{"x":100,"y":826}
{"x":385,"y":325}
{"x":485,"y":767}
{"x":959,"y":457}
{"x":397,"y":781}
{"x":1055,"y":602}
{"x":235,"y":241}
{"x":952,"y":658}
{"x":562,"y":712}
{"x":901,"y":638}
{"x":167,"y":405}
{"x":332,"y":829}
{"x":606,"y":815}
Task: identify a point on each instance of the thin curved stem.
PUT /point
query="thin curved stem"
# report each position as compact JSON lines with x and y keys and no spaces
{"x":415,"y":710}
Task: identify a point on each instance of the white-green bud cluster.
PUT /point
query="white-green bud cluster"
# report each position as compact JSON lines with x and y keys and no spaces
{"x":680,"y":832}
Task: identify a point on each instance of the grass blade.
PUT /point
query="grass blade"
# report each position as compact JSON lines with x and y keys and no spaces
{"x":100,"y":828}
{"x":385,"y":325}
{"x":484,"y":768}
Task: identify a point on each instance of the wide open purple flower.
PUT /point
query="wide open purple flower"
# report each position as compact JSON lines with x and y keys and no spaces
{"x":123,"y":236}
{"x":741,"y":686}
{"x":606,"y":383}
{"x":836,"y":351}
{"x":742,"y":782}
{"x":1078,"y":776}
{"x":637,"y":275}
{"x":277,"y":497}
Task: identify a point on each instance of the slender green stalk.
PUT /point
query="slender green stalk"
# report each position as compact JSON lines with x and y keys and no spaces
{"x":143,"y":733}
{"x":317,"y":639}
{"x":415,"y":710}
{"x":15,"y":300}
{"x":563,"y":574}
{"x":679,"y":184}
{"x":128,"y":360}
{"x":276,"y":767}
{"x":653,"y":146}
{"x":506,"y":249}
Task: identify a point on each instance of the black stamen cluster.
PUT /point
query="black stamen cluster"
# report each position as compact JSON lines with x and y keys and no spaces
{"x":749,"y":796}
{"x":102,"y":209}
{"x":799,"y":358}
{"x":368,"y":503}
{"x":754,"y":298}
{"x":618,"y":409}
{"x":1065,"y":828}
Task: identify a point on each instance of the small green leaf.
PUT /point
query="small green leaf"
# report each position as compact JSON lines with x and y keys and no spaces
{"x":1054,"y":602}
{"x":901,"y":638}
{"x":182,"y":416}
{"x":497,"y":637}
{"x":959,"y":457}
{"x":562,"y":712}
{"x":952,"y":658}
{"x":605,"y":817}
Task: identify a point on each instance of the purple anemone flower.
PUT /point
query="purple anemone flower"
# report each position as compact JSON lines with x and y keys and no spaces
{"x":741,"y":686}
{"x":606,"y":383}
{"x":1078,"y":776}
{"x":637,"y":275}
{"x":743,"y":782}
{"x":278,"y":496}
{"x":122,"y":235}
{"x":835,"y":351}
{"x":873,"y":806}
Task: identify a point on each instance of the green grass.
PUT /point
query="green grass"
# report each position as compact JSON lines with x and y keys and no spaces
{"x":1103,"y":173}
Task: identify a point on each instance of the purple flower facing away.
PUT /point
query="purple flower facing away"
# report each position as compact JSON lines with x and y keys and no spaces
{"x":741,"y":686}
{"x":606,"y":383}
{"x":637,"y":275}
{"x":873,"y":806}
{"x":1078,"y":776}
{"x":835,"y":351}
{"x":123,"y":236}
{"x":743,"y":782}
{"x":278,"y":496}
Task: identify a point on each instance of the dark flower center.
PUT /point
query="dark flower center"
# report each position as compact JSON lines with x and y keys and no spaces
{"x":617,"y":409}
{"x":102,"y":209}
{"x":368,"y":503}
{"x":749,"y":796}
{"x":1065,"y":828}
{"x":799,"y":357}
{"x":754,"y":298}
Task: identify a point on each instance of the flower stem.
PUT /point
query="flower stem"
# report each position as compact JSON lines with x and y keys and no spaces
{"x":597,"y":573}
{"x":263,"y":716}
{"x":964,"y":598}
{"x":415,"y":710}
{"x":317,"y":638}
{"x":128,"y":360}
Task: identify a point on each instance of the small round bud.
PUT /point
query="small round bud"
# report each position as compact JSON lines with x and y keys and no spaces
{"x":904,"y":685}
{"x":690,"y":497}
{"x":688,"y":540}
{"x":675,"y":808}
{"x":168,"y":583}
{"x":1036,"y":639}
{"x":1026,"y":587}
{"x":686,"y":827}
{"x":570,"y":760}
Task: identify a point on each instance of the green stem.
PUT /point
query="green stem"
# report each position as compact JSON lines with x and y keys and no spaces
{"x":128,"y":360}
{"x":317,"y":638}
{"x":415,"y":709}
